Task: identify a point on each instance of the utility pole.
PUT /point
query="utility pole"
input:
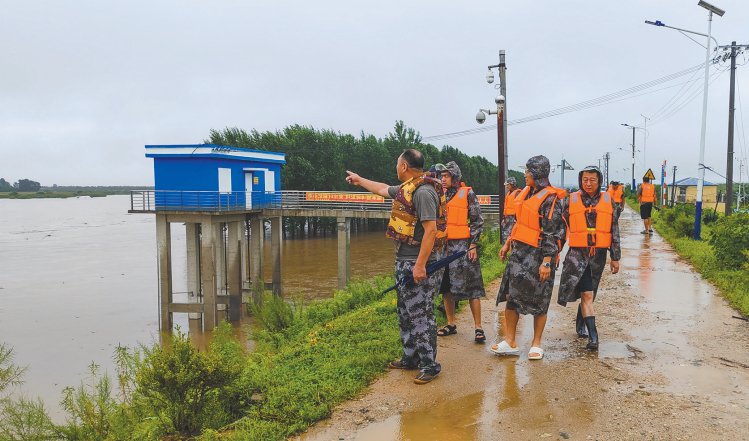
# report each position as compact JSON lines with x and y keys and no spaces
{"x":731,"y":100}
{"x":634,"y":184}
{"x":645,"y":143}
{"x":564,"y":166}
{"x":673,"y":187}
{"x":501,"y":128}
{"x":503,"y":92}
{"x":608,"y":155}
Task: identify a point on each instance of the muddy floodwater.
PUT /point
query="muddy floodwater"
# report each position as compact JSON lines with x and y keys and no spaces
{"x":78,"y":277}
{"x":673,"y":365}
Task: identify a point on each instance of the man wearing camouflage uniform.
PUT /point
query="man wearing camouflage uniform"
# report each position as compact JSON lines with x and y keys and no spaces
{"x":417,"y":224}
{"x":508,"y":218}
{"x":462,"y":279}
{"x":593,"y":215}
{"x":529,"y":276}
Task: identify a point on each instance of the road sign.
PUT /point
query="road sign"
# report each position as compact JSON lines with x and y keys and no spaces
{"x":649,"y":175}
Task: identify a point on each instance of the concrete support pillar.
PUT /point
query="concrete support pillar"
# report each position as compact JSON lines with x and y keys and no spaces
{"x":219,"y":244}
{"x":344,"y":251}
{"x":208,"y":272}
{"x":164,"y":247}
{"x":234,"y":271}
{"x":245,"y":247}
{"x":257,"y":238}
{"x":192,"y":241}
{"x":276,"y":241}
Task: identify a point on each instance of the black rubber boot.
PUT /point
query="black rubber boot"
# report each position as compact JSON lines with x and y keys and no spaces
{"x":593,"y":337}
{"x":580,"y":324}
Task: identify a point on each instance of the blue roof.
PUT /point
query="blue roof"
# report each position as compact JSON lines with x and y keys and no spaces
{"x":213,"y":151}
{"x":692,"y":182}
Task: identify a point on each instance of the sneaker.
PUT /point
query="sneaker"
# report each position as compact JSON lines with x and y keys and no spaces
{"x":399,"y":364}
{"x":424,"y":378}
{"x":644,"y":232}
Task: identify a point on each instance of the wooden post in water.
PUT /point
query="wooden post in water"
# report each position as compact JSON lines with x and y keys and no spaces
{"x":164,"y":247}
{"x":208,"y":272}
{"x":344,"y":251}
{"x":234,"y":271}
{"x":276,"y":240}
{"x":257,"y":236}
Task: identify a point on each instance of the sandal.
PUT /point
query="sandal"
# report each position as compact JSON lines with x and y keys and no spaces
{"x":535,"y":350}
{"x":504,"y":348}
{"x":480,"y":337}
{"x":447,"y":330}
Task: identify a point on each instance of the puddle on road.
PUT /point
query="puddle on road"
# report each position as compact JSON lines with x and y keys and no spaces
{"x":675,"y":299}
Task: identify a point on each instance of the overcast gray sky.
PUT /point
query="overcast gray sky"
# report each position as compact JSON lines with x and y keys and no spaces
{"x":86,"y":84}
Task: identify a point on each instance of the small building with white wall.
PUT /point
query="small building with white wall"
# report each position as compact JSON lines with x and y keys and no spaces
{"x":214,"y":177}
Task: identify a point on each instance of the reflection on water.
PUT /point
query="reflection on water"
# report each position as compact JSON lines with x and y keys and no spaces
{"x":78,"y":277}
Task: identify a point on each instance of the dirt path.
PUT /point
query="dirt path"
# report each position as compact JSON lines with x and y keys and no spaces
{"x":672,"y":365}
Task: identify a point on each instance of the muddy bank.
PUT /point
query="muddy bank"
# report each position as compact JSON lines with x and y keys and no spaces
{"x":673,"y":364}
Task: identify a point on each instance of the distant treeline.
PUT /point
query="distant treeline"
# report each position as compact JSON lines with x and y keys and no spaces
{"x":318,"y":160}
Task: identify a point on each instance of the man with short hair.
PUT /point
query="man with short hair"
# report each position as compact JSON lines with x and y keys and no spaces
{"x":646,"y":197}
{"x":617,"y":194}
{"x":593,"y":230}
{"x":417,"y":225}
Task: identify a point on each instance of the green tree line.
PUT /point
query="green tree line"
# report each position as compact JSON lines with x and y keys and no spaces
{"x":318,"y":160}
{"x":21,"y":185}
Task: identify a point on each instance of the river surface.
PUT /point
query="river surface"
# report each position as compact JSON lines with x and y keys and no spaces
{"x":78,"y":277}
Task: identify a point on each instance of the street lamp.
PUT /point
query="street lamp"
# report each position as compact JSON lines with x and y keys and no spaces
{"x":501,"y":127}
{"x":634,"y":184}
{"x":701,"y":168}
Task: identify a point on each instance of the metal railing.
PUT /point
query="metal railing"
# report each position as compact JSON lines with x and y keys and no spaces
{"x":149,"y":201}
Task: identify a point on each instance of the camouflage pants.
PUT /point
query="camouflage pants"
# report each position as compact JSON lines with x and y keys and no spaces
{"x":418,"y":327}
{"x":507,"y":223}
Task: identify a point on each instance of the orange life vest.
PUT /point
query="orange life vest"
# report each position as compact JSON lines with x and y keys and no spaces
{"x":616,"y":193}
{"x":527,"y":229}
{"x":457,"y":215}
{"x":648,"y":192}
{"x":510,"y":202}
{"x":579,"y":234}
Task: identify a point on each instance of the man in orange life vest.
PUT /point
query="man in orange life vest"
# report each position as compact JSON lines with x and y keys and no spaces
{"x":529,"y":275}
{"x":508,"y":218}
{"x":462,"y":279}
{"x":617,"y":194}
{"x":593,"y":230}
{"x":646,"y":196}
{"x":418,"y":226}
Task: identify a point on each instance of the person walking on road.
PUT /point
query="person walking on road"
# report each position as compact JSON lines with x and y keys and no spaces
{"x":593,"y":230}
{"x":462,"y":279}
{"x":418,"y":226}
{"x":533,"y":246}
{"x":617,"y":194}
{"x":646,"y":197}
{"x":508,"y":218}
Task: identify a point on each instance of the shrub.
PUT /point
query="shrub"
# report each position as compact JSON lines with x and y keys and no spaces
{"x":679,"y":219}
{"x":730,"y":240}
{"x":187,"y":387}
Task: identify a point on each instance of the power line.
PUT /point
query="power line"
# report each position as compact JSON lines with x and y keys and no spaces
{"x":604,"y":99}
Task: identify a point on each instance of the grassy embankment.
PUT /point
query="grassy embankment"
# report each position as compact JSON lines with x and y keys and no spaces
{"x":308,"y":359}
{"x":733,"y":283}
